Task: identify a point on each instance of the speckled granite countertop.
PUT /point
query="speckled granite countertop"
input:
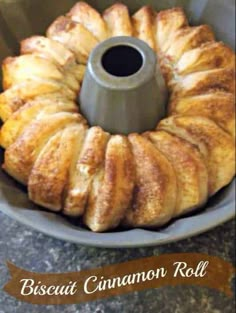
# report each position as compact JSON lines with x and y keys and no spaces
{"x":37,"y":252}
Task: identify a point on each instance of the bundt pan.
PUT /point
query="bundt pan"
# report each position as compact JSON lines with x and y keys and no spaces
{"x":20,"y":19}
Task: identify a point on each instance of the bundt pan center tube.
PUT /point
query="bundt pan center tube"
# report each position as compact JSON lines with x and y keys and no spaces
{"x":123,"y":90}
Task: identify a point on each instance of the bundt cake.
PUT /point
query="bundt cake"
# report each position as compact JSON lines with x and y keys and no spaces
{"x":139,"y":180}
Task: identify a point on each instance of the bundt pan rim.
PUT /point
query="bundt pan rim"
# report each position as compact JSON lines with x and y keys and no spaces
{"x":206,"y":219}
{"x":184,"y":227}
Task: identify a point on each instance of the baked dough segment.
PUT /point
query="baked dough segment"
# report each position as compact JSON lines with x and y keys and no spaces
{"x":50,"y":172}
{"x":216,"y":146}
{"x":74,"y":36}
{"x":87,"y":16}
{"x":15,"y":97}
{"x":190,"y":169}
{"x":32,"y":110}
{"x":181,"y":39}
{"x":27,"y":67}
{"x":186,"y":39}
{"x":21,"y":155}
{"x":88,"y":160}
{"x":208,"y":56}
{"x":155,"y":191}
{"x":202,"y":82}
{"x":47,"y":48}
{"x":118,"y":20}
{"x":56,"y":52}
{"x":112,"y":187}
{"x":143,"y":23}
{"x":79,"y":72}
{"x":167,"y":23}
{"x":71,"y":80}
{"x":215,"y":104}
{"x":22,"y":68}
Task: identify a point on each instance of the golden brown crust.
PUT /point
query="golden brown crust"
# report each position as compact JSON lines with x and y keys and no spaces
{"x":216,"y":105}
{"x":74,"y":36}
{"x":188,"y":38}
{"x":48,"y":49}
{"x":79,"y":72}
{"x":155,"y":191}
{"x":24,"y":67}
{"x":88,"y":159}
{"x":216,"y":146}
{"x":50,"y":172}
{"x":211,"y":55}
{"x":15,"y":97}
{"x":168,"y":22}
{"x":71,"y":80}
{"x":144,"y":26}
{"x":21,"y":155}
{"x":183,"y":40}
{"x":118,"y":20}
{"x":86,"y":15}
{"x":112,"y":187}
{"x":30,"y":111}
{"x":190,"y":169}
{"x":198,"y":83}
{"x":31,"y":66}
